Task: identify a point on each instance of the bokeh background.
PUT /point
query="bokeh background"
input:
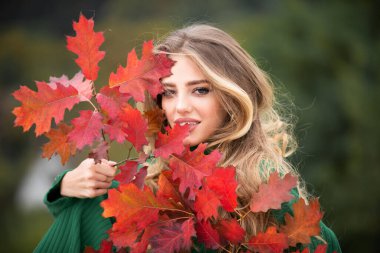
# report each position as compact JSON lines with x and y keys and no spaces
{"x":325,"y":56}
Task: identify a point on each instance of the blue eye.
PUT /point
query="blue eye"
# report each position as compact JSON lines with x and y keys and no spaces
{"x":201,"y":90}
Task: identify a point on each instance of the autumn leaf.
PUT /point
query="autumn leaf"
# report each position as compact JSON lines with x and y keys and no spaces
{"x":207,"y":234}
{"x":231,"y":230}
{"x":129,"y":203}
{"x":269,"y":242}
{"x":79,"y":82}
{"x":105,"y":247}
{"x":41,"y":107}
{"x":155,"y":118}
{"x":116,"y":130}
{"x":142,"y":75}
{"x":223,"y":183}
{"x":206,"y":204}
{"x":174,"y":237}
{"x":192,"y":167}
{"x":124,"y":236}
{"x":87,"y":128}
{"x":59,"y":143}
{"x":137,"y":126}
{"x":321,"y":248}
{"x":166,"y":188}
{"x":127,"y":172}
{"x":100,"y":152}
{"x":86,"y":45}
{"x":172,"y":142}
{"x":111,"y":101}
{"x":272,"y":194}
{"x":304,"y":223}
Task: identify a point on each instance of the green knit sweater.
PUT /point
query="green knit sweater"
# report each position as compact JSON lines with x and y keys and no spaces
{"x":79,"y":223}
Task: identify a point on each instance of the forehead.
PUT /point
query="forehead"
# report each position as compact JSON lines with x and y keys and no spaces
{"x":184,"y":71}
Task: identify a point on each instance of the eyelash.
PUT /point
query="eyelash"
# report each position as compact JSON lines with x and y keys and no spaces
{"x":198,"y":91}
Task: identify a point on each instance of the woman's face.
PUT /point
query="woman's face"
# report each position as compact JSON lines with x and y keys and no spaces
{"x":189,"y":99}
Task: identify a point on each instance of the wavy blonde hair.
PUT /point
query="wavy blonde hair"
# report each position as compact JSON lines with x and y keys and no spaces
{"x":253,"y":138}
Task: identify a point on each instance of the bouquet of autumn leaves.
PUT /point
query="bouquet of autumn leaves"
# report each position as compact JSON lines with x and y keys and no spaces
{"x":183,"y":213}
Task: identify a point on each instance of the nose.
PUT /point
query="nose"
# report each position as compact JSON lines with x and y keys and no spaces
{"x":183,"y":104}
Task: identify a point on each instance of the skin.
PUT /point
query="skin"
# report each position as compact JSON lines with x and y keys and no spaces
{"x":188,"y":98}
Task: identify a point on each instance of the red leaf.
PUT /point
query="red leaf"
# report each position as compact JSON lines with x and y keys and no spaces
{"x":42,"y":106}
{"x":223,"y":183}
{"x":116,"y":130}
{"x":166,"y":188}
{"x":87,"y":128}
{"x":207,"y":234}
{"x":206,"y":204}
{"x":131,"y":205}
{"x":86,"y":45}
{"x":269,"y":242}
{"x":231,"y":231}
{"x":192,"y":167}
{"x":139,"y":179}
{"x":272,"y":194}
{"x":127,"y":172}
{"x":172,"y":143}
{"x":105,"y":247}
{"x":304,"y":223}
{"x":112,"y":101}
{"x":84,"y":87}
{"x":100,"y":152}
{"x":142,"y":75}
{"x":137,"y":126}
{"x":321,"y":248}
{"x":142,"y":245}
{"x":174,"y":237}
{"x":124,"y":236}
{"x":59,"y":143}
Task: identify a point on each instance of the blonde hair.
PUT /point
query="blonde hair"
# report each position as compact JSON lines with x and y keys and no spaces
{"x":253,"y":138}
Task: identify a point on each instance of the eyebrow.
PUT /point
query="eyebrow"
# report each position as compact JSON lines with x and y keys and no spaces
{"x":190,"y":83}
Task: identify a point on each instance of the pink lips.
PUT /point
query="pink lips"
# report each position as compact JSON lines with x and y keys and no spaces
{"x":193,"y":122}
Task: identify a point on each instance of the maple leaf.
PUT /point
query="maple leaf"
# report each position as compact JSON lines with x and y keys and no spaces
{"x":79,"y":82}
{"x":86,"y":45}
{"x":155,"y":118}
{"x":231,"y":230}
{"x":269,"y":242}
{"x":304,"y":223}
{"x":192,"y":167}
{"x":272,"y":194}
{"x":172,"y":143}
{"x":207,"y":234}
{"x":59,"y":143}
{"x":87,"y":128}
{"x":100,"y":152}
{"x":174,"y":237}
{"x":116,"y":130}
{"x":41,"y":107}
{"x":142,"y":75}
{"x":137,"y":126}
{"x":206,"y":204}
{"x":224,"y":184}
{"x":111,"y":101}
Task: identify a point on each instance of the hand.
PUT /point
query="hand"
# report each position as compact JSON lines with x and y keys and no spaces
{"x":88,"y":180}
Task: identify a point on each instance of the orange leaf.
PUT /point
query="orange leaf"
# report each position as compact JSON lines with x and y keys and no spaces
{"x":142,"y":75}
{"x":272,"y":194}
{"x":269,"y":242}
{"x":206,"y":204}
{"x":42,"y":106}
{"x":86,"y":45}
{"x":59,"y":143}
{"x":155,"y":118}
{"x":304,"y":223}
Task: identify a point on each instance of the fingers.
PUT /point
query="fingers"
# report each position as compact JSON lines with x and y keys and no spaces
{"x":106,"y":168}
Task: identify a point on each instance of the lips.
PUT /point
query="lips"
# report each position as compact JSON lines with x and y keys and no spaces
{"x":187,"y":121}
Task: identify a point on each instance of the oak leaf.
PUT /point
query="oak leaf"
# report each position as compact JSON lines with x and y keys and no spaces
{"x":87,"y":128}
{"x":269,"y":242}
{"x":172,"y":142}
{"x":272,"y":194}
{"x":86,"y":45}
{"x":231,"y":230}
{"x":41,"y":107}
{"x":155,"y":118}
{"x":304,"y":223}
{"x":142,"y":75}
{"x":100,"y":152}
{"x":206,"y":204}
{"x":59,"y":143}
{"x":207,"y":234}
{"x":111,"y":101}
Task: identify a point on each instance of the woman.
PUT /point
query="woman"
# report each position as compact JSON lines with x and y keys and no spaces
{"x":217,"y":88}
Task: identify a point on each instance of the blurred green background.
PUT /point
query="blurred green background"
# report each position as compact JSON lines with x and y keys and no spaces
{"x":324,"y":54}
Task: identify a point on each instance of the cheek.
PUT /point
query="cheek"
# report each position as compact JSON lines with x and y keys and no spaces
{"x":167,"y":111}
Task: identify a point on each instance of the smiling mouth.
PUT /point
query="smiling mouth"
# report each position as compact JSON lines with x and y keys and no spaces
{"x":189,"y":123}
